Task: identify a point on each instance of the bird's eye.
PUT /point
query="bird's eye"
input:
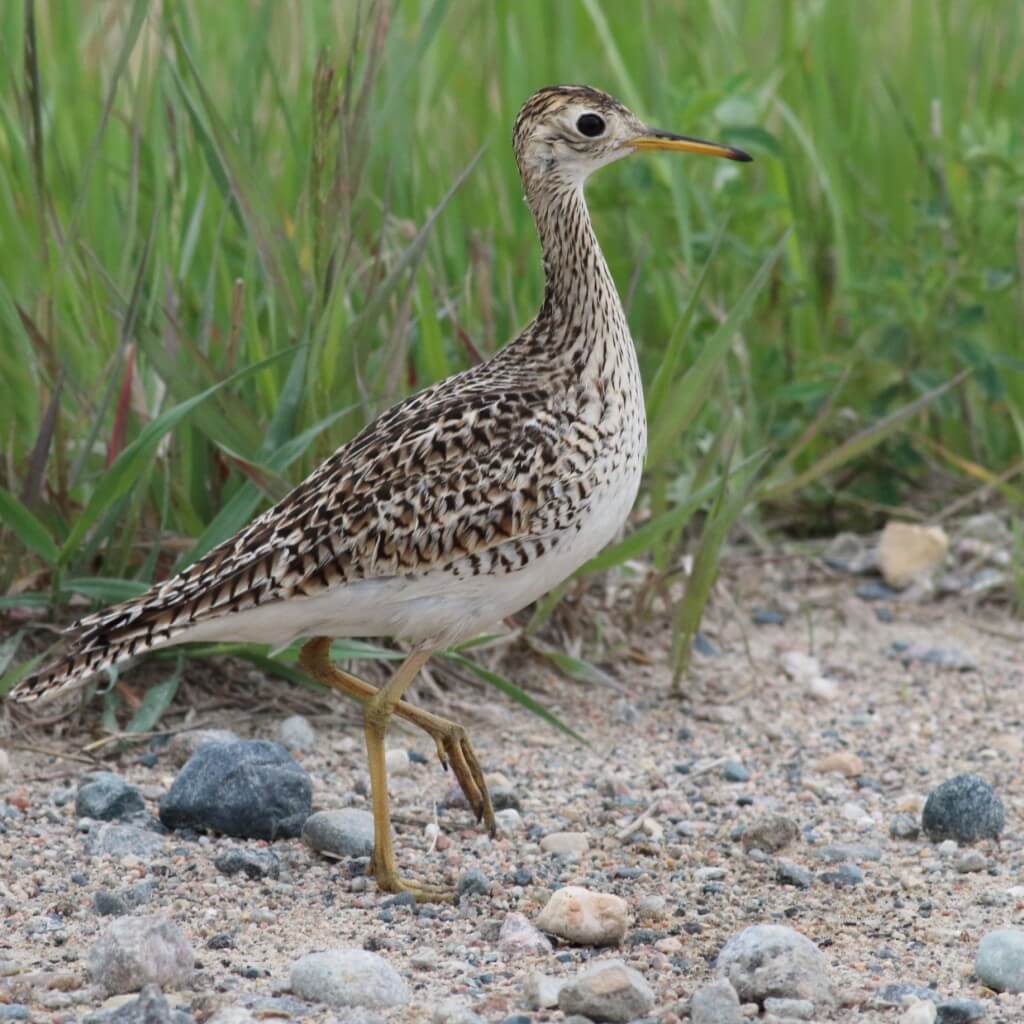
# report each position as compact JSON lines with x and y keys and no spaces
{"x":590,"y":125}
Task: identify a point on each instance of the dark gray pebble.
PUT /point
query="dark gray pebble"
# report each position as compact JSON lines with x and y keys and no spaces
{"x":767,"y":617}
{"x":733,"y":771}
{"x":107,"y":797}
{"x":874,"y":590}
{"x":705,"y":647}
{"x":789,"y":873}
{"x":401,"y":899}
{"x":251,"y":863}
{"x":151,"y":1007}
{"x":844,"y":877}
{"x":474,"y":883}
{"x":965,"y":808}
{"x":900,"y":992}
{"x":253,"y":789}
{"x":960,"y":1011}
{"x":904,"y":826}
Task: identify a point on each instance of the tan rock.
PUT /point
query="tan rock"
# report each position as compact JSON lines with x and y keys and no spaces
{"x":584,"y":917}
{"x":908,"y":552}
{"x":566,"y":844}
{"x":842,"y":761}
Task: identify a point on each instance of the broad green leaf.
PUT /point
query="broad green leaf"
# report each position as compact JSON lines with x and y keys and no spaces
{"x":26,"y":527}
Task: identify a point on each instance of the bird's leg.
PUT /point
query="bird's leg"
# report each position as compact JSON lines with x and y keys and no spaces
{"x":378,"y":711}
{"x":453,"y":746}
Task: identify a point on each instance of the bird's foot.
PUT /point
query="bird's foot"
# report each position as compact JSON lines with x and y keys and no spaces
{"x":389,"y":880}
{"x":455,"y":750}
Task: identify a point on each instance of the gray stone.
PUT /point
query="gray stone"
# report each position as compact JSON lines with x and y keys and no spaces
{"x":107,"y":797}
{"x":900,"y":993}
{"x":716,"y":1003}
{"x":115,"y":840}
{"x":253,"y":789}
{"x":253,"y":863}
{"x":789,"y":873}
{"x":454,"y":1011}
{"x":969,"y":861}
{"x":960,"y":1011}
{"x":348,"y":978}
{"x":345,"y":833}
{"x":151,"y":1007}
{"x":473,"y":883}
{"x":115,"y":904}
{"x":904,"y":826}
{"x":1000,"y":960}
{"x":233,"y":1015}
{"x":795,"y":1009}
{"x":771,"y":833}
{"x":965,"y":808}
{"x":519,"y":937}
{"x":541,"y":990}
{"x":607,"y":990}
{"x":768,"y":960}
{"x":13,"y":1011}
{"x":138,"y":951}
{"x":845,"y":876}
{"x":733,"y":771}
{"x":296,"y":733}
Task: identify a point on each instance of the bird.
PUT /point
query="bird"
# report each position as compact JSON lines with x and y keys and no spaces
{"x":455,"y":508}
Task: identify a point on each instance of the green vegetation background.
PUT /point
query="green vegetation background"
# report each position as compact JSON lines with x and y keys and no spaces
{"x":234,"y":231}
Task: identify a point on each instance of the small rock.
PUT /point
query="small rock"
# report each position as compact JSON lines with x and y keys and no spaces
{"x":772,"y":960}
{"x":566,"y":844}
{"x":960,"y":1011}
{"x":348,"y":978}
{"x":706,"y":647}
{"x":115,"y":840}
{"x":823,"y":689}
{"x":116,"y":904}
{"x":425,"y":959}
{"x":233,"y":1015}
{"x":138,"y":951}
{"x":1000,"y":960}
{"x":518,"y":937}
{"x":651,"y":908}
{"x":770,"y":832}
{"x":848,"y":552}
{"x":921,"y":1012}
{"x":944,"y":657}
{"x":13,"y":1011}
{"x":842,"y":761}
{"x":716,"y":1003}
{"x":904,"y":826}
{"x":297,"y":733}
{"x":789,"y":873}
{"x":541,"y":990}
{"x":733,"y":771}
{"x":857,"y":853}
{"x":607,"y":991}
{"x":509,"y":820}
{"x":454,"y":1011}
{"x":184,"y":744}
{"x":473,"y":883}
{"x":585,"y":918}
{"x":965,"y":808}
{"x":795,"y":1009}
{"x":767,"y":617}
{"x":397,"y":761}
{"x":344,"y":833}
{"x":908,"y":552}
{"x":107,"y":797}
{"x":252,"y":789}
{"x":874,"y":590}
{"x":843,"y":877}
{"x":799,"y":666}
{"x":968,"y":861}
{"x":252,"y":863}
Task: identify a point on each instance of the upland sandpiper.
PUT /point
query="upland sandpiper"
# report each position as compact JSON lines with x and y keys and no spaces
{"x":452,"y":510}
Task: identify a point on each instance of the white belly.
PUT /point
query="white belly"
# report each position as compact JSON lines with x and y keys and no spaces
{"x":437,"y":608}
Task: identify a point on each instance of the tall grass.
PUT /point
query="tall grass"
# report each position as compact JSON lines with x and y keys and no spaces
{"x":234,"y":232}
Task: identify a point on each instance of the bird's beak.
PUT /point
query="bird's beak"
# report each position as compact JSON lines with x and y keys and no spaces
{"x":652,"y":139}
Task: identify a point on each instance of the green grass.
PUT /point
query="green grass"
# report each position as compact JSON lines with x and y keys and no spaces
{"x":285,"y":208}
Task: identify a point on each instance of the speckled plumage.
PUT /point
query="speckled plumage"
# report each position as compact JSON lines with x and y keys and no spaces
{"x":459,"y":505}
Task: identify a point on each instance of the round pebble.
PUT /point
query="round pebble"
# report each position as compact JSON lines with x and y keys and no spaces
{"x":1000,"y":960}
{"x":348,"y":978}
{"x":965,"y":808}
{"x":344,"y":833}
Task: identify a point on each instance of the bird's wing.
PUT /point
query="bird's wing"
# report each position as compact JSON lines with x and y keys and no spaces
{"x":441,"y":477}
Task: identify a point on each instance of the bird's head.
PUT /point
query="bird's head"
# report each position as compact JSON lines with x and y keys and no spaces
{"x":564,"y":133}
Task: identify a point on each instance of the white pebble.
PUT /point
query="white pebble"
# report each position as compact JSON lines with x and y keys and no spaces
{"x":397,"y":761}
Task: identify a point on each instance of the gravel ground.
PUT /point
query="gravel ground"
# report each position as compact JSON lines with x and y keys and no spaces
{"x":839,"y":752}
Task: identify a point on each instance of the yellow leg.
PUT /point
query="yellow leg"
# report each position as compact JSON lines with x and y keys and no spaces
{"x":451,"y":740}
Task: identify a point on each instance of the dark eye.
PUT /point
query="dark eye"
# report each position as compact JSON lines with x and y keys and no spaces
{"x":590,"y":125}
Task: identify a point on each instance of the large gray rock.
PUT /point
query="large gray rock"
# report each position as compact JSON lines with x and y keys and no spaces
{"x":965,"y":808}
{"x":607,"y":991}
{"x":715,"y":1003}
{"x":345,"y":833}
{"x":1000,"y":961}
{"x":253,"y":789}
{"x":772,"y":960}
{"x":107,"y":797}
{"x":348,"y":978}
{"x":138,"y":951}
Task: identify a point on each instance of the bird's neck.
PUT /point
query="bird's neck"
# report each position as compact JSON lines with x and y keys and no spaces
{"x":581,"y":304}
